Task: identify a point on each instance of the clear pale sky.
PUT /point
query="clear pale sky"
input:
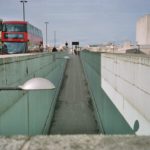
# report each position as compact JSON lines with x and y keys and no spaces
{"x":87,"y":21}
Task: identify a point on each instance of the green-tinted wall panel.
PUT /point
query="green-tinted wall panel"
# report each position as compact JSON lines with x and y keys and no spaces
{"x":29,"y":112}
{"x":15,"y":119}
{"x":109,"y":119}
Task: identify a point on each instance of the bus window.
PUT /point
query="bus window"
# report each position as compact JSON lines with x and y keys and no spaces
{"x":14,"y":28}
{"x":13,"y":47}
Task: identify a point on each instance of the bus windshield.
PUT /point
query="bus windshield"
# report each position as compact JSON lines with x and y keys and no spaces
{"x":14,"y":27}
{"x":13,"y":47}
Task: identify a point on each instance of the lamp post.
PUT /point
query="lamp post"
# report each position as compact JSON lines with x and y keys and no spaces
{"x":46,"y":33}
{"x":33,"y":84}
{"x":54,"y":38}
{"x":23,"y":2}
{"x":37,"y":83}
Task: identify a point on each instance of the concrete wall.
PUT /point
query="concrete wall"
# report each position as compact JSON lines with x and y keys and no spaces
{"x":125,"y":79}
{"x":109,"y":119}
{"x":28,"y":112}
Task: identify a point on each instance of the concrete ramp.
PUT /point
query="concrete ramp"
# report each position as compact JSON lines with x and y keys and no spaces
{"x":74,"y":111}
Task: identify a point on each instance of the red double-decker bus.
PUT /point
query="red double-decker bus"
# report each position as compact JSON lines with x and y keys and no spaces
{"x":0,"y":34}
{"x":21,"y":37}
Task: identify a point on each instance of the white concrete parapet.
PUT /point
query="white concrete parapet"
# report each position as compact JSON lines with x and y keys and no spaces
{"x":126,"y":80}
{"x":75,"y":142}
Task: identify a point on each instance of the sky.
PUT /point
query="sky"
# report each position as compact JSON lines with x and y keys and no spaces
{"x":86,"y":21}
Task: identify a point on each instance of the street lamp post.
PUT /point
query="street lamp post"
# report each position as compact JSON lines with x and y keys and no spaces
{"x":54,"y":38}
{"x":37,"y":83}
{"x":46,"y":34}
{"x":23,"y":2}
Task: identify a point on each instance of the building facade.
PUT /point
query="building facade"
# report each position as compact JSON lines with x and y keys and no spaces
{"x":143,"y":33}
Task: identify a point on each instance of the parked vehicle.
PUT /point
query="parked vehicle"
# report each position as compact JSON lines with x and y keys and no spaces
{"x":21,"y":37}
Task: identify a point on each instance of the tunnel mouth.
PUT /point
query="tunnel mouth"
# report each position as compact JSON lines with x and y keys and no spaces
{"x":74,"y":112}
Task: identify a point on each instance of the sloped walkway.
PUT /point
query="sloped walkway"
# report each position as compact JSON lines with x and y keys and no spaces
{"x":74,"y":112}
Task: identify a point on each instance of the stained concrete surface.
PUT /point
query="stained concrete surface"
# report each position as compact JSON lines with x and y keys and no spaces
{"x":74,"y":113}
{"x":75,"y":142}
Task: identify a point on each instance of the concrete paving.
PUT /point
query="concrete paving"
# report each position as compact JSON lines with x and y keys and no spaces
{"x":74,"y":112}
{"x":75,"y":142}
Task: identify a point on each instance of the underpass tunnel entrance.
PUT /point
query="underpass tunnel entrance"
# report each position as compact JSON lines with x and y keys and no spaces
{"x":74,"y":113}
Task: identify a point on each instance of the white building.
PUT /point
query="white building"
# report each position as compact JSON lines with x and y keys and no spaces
{"x":143,"y":33}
